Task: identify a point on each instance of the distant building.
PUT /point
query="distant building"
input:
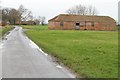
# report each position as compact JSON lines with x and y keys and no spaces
{"x":2,"y":23}
{"x":26,"y":23}
{"x":81,"y":22}
{"x":119,"y":12}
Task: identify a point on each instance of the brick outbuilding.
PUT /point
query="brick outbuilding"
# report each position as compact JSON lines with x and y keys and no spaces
{"x":26,"y":23}
{"x":81,"y":22}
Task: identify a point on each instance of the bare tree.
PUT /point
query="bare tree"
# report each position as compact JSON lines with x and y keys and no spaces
{"x":13,"y":16}
{"x":43,"y":20}
{"x":40,"y":20}
{"x":5,"y":14}
{"x":10,"y":14}
{"x":30,"y":16}
{"x":24,"y":13}
{"x":92,"y":10}
{"x":37,"y":20}
{"x":27,"y":16}
{"x":71,"y":10}
{"x":82,"y":10}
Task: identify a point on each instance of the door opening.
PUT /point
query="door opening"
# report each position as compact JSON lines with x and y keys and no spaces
{"x":77,"y":26}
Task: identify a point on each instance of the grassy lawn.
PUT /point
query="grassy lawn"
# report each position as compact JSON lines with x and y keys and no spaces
{"x":34,"y":27}
{"x":92,"y":54}
{"x":5,"y":29}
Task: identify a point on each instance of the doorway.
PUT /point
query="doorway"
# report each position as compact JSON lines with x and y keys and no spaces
{"x":77,"y":26}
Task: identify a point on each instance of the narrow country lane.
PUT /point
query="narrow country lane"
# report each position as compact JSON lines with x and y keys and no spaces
{"x":21,"y":58}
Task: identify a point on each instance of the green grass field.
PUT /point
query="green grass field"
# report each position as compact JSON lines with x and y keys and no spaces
{"x":5,"y":29}
{"x":92,"y":54}
{"x":35,"y":27}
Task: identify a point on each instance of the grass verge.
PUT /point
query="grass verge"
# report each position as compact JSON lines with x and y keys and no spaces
{"x":5,"y":29}
{"x":92,"y":54}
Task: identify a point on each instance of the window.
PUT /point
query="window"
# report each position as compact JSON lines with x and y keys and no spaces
{"x":61,"y":23}
{"x":93,"y":24}
{"x":77,"y":24}
{"x":82,"y":24}
{"x":88,"y":24}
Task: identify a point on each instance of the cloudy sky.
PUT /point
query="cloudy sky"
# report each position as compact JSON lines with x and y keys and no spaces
{"x":51,"y":8}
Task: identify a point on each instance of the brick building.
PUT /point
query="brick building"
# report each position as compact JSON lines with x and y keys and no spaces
{"x":26,"y":23}
{"x":81,"y":22}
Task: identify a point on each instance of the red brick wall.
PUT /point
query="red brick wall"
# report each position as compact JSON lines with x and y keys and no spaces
{"x":109,"y":26}
{"x":56,"y":25}
{"x":72,"y":26}
{"x":51,"y":25}
{"x":69,"y":25}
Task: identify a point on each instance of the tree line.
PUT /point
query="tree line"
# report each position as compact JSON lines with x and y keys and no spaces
{"x":82,"y":10}
{"x":12,"y":15}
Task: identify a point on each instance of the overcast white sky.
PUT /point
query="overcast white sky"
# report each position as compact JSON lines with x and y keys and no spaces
{"x":51,"y":8}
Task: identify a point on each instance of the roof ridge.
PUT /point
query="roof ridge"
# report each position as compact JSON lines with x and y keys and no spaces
{"x":74,"y":17}
{"x":81,"y":15}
